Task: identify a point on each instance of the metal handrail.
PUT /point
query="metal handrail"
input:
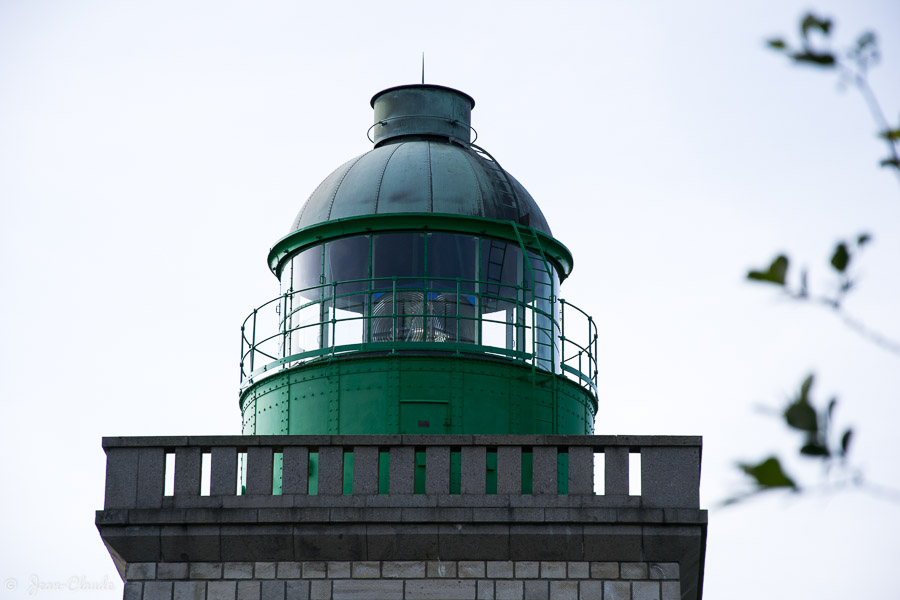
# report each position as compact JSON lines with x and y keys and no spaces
{"x":568,"y":355}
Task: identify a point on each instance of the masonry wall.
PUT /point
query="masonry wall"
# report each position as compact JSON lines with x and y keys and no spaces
{"x":403,"y":580}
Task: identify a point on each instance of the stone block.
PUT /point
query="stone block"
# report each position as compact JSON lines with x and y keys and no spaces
{"x":295,"y":470}
{"x":671,"y":590}
{"x":190,"y":590}
{"x":581,"y":470}
{"x":616,"y":466}
{"x":401,"y":541}
{"x":664,"y":571}
{"x":200,"y":543}
{"x":133,"y":590}
{"x":248,"y":590}
{"x":172,"y":571}
{"x":475,"y":541}
{"x":314,"y":570}
{"x":365,"y":470}
{"x":633,"y":570}
{"x":485,"y":590}
{"x":237,"y":570}
{"x":259,"y":471}
{"x":440,"y":568}
{"x":471,"y":568}
{"x":272,"y":590}
{"x":265,"y":570}
{"x":613,"y":542}
{"x":329,"y":542}
{"x":590,"y":590}
{"x":616,"y":590}
{"x":500,"y":569}
{"x":670,"y":477}
{"x":121,"y":478}
{"x":221,"y":590}
{"x":331,"y":471}
{"x":578,"y":570}
{"x":296,"y":590}
{"x":544,"y":470}
{"x":444,"y":589}
{"x":509,"y":590}
{"x":141,"y":570}
{"x":645,"y":590}
{"x":563,"y":590}
{"x":260,"y":542}
{"x":604,"y":570}
{"x":339,"y":570}
{"x":535,"y":589}
{"x":549,"y":541}
{"x":509,"y":470}
{"x":366,"y":569}
{"x":320,"y":589}
{"x":403,"y":569}
{"x":437,"y":470}
{"x":289,"y":570}
{"x":401,"y":470}
{"x":527,"y":569}
{"x":206,"y":570}
{"x":553,"y":570}
{"x":367,"y":589}
{"x":187,"y":471}
{"x":158,"y":590}
{"x":223,"y":467}
{"x":473,"y":470}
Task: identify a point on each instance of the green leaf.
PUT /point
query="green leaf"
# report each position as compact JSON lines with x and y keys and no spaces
{"x":775,"y":274}
{"x":768,"y":474}
{"x":820,"y":59}
{"x":800,"y":414}
{"x":891,"y":135}
{"x":814,"y":449}
{"x":863,"y":239}
{"x":845,"y":441}
{"x":890,"y":162}
{"x":806,"y":386}
{"x":811,"y":21}
{"x":776,"y":44}
{"x":841,"y":257}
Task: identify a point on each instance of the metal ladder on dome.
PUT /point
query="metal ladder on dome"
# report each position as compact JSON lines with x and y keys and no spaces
{"x":497,"y":174}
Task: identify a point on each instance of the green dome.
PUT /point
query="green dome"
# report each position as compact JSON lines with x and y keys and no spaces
{"x":420,"y":176}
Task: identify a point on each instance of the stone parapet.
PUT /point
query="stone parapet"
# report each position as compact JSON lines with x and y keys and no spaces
{"x":560,"y":540}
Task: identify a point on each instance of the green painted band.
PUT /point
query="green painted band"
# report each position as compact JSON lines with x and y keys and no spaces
{"x":426,"y":222}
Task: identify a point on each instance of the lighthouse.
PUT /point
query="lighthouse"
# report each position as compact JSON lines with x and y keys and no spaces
{"x":418,"y":405}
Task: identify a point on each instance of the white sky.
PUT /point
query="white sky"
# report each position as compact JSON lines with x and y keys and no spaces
{"x":150,"y":154}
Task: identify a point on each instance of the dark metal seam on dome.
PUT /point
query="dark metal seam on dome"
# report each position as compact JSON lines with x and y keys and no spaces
{"x":299,"y":218}
{"x":430,"y":178}
{"x":477,"y":183}
{"x":338,"y":186}
{"x":381,"y":178}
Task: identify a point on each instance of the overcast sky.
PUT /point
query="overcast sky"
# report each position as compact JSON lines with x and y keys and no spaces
{"x":151,"y":153}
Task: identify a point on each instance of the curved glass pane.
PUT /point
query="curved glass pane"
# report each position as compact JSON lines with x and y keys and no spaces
{"x":347,"y":294}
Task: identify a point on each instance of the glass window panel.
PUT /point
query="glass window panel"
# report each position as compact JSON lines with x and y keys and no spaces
{"x":501,"y":268}
{"x":451,"y":257}
{"x":400,"y":255}
{"x":347,"y":260}
{"x":308,"y":272}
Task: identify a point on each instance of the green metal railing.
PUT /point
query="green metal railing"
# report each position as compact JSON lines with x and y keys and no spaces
{"x":397,"y":314}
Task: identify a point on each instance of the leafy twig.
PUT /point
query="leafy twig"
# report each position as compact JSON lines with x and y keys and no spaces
{"x":853,"y":67}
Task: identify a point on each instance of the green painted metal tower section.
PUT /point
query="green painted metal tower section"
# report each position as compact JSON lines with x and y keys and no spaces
{"x":420,"y":291}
